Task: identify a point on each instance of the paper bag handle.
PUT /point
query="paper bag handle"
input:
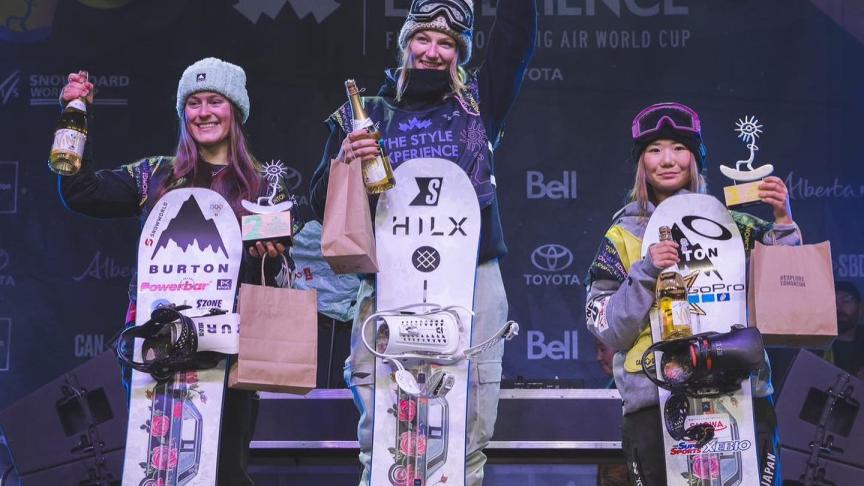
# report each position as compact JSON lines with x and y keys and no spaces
{"x":284,"y":260}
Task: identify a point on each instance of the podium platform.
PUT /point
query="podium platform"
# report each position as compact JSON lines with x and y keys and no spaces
{"x":528,"y":419}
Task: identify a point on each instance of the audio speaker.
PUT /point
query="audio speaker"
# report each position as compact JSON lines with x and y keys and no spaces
{"x":828,"y":473}
{"x":69,"y":422}
{"x":801,"y":407}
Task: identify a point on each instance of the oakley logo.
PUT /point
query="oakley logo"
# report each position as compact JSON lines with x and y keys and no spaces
{"x":430,"y":191}
{"x":551,"y":257}
{"x":714,"y":231}
{"x":254,"y":9}
{"x":693,"y":254}
{"x":9,"y":87}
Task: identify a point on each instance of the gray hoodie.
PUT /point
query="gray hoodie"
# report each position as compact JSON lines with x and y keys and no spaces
{"x":620,"y":292}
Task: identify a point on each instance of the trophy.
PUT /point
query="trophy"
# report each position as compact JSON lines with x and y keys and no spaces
{"x":750,"y":177}
{"x":270,"y":219}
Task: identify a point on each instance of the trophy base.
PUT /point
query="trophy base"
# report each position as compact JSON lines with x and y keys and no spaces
{"x":742,"y":194}
{"x":270,"y":226}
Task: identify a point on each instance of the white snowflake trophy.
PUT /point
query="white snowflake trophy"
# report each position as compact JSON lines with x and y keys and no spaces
{"x":749,"y":130}
{"x":270,"y":216}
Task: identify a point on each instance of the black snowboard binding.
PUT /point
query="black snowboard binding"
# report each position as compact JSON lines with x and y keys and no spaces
{"x":170,"y":344}
{"x":705,"y":365}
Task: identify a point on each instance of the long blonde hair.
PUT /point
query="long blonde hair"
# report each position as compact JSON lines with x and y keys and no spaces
{"x":406,"y":61}
{"x":643,"y":193}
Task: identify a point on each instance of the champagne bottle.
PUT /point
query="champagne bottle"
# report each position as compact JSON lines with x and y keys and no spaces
{"x":69,"y":139}
{"x":377,"y":173}
{"x":672,"y":302}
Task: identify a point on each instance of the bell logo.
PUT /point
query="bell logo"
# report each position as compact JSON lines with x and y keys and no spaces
{"x":537,"y":187}
{"x":555,"y":350}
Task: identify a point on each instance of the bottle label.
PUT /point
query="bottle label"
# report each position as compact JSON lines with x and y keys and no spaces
{"x":679,"y":312}
{"x":374,"y":172}
{"x":78,"y":104}
{"x":68,"y":140}
{"x":674,"y":318}
{"x":362,"y":124}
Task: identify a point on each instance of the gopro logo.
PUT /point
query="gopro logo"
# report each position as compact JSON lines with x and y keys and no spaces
{"x":538,"y":188}
{"x":555,"y":350}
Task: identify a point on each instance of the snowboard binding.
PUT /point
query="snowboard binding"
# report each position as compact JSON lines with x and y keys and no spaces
{"x":170,"y":344}
{"x":432,"y":335}
{"x":703,"y":366}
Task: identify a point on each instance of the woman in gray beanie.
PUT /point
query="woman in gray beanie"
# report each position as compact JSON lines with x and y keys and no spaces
{"x":432,"y":92}
{"x":212,"y":105}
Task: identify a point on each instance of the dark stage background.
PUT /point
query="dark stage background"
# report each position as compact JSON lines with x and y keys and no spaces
{"x":797,"y":65}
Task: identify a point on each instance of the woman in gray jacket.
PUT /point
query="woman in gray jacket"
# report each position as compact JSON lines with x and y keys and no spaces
{"x":670,"y":159}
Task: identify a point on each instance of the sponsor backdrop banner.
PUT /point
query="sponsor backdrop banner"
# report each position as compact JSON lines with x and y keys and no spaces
{"x":563,"y":170}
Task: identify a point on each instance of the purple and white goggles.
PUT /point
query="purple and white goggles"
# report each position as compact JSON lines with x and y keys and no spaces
{"x":458,"y":13}
{"x":655,"y":117}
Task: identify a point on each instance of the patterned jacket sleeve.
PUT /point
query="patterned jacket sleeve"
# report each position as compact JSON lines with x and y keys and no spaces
{"x":112,"y":193}
{"x":620,"y":292}
{"x":754,"y":229}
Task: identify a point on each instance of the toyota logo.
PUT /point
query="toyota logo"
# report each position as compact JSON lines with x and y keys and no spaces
{"x":552,"y":257}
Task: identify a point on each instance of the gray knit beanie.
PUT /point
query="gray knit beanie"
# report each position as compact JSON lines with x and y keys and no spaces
{"x":211,"y":74}
{"x":452,"y":17}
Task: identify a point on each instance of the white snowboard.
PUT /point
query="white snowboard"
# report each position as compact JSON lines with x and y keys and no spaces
{"x":427,"y":232}
{"x":189,"y":253}
{"x":713,"y":266}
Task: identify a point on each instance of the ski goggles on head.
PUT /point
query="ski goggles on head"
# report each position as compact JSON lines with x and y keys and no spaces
{"x":458,"y":13}
{"x":652,"y":119}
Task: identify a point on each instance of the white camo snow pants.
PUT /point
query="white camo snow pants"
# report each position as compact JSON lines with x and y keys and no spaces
{"x":490,"y":307}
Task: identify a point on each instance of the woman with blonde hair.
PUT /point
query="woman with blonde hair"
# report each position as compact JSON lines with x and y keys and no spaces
{"x":431,"y":106}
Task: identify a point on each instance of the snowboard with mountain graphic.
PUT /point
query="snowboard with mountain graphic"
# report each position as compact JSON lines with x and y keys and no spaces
{"x":189,"y":254}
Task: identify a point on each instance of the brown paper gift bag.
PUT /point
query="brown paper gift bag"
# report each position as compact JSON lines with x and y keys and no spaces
{"x":347,"y":240}
{"x":278,"y":340}
{"x":791,"y":295}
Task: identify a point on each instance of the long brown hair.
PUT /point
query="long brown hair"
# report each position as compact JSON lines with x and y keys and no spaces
{"x":241,"y":179}
{"x":406,"y":60}
{"x":643,"y":193}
